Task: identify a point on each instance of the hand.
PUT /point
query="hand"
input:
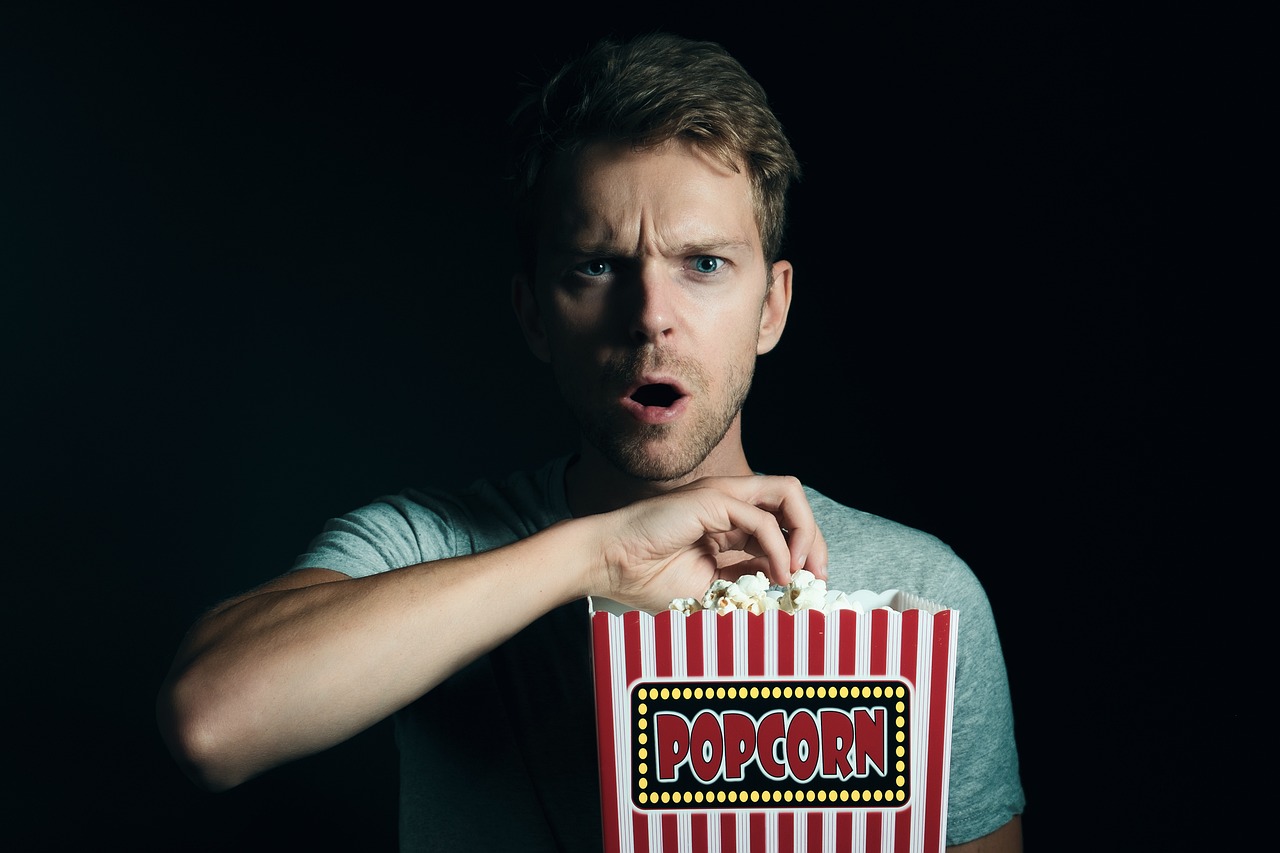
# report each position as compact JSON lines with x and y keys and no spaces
{"x":676,"y":544}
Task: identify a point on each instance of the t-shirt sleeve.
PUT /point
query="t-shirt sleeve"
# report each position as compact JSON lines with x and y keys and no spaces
{"x":985,"y":785}
{"x":390,"y":533}
{"x":869,"y":552}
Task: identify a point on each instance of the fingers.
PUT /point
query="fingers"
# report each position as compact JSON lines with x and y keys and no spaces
{"x":766,"y":540}
{"x":668,"y":546}
{"x":785,"y":498}
{"x":786,"y":509}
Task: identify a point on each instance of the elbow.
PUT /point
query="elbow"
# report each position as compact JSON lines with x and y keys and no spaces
{"x":197,"y":737}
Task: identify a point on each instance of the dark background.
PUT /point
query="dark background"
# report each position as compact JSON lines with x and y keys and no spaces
{"x":254,"y":262}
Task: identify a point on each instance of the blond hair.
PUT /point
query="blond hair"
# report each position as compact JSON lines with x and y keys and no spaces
{"x":647,"y":91}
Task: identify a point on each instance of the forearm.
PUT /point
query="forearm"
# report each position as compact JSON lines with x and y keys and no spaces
{"x":303,"y":664}
{"x":287,"y":672}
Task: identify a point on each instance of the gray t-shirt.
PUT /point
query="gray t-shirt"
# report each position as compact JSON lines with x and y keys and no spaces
{"x":502,"y":756}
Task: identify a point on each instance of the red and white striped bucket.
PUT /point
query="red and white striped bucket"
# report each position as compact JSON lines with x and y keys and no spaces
{"x":775,"y":733}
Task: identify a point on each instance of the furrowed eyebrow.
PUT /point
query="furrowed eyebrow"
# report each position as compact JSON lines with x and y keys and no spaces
{"x":593,"y":250}
{"x":712,"y":248}
{"x":608,"y":250}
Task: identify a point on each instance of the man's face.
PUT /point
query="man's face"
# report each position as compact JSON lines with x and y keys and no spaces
{"x":652,"y":301}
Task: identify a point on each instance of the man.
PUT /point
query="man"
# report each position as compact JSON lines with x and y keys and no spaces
{"x":652,"y":201}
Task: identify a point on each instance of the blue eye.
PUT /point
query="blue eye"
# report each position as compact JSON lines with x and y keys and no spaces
{"x":707,"y":263}
{"x":594,"y":269}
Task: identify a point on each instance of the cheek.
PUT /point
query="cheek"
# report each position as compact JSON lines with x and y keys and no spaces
{"x":738,"y":329}
{"x":572,"y":347}
{"x":574,"y":343}
{"x":578,"y":318}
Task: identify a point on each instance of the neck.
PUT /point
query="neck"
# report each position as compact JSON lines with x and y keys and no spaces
{"x":593,"y":484}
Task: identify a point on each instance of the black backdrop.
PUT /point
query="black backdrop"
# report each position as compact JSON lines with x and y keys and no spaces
{"x":254,"y":263}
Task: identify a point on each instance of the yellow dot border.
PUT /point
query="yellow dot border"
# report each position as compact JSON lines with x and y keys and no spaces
{"x":891,"y":791}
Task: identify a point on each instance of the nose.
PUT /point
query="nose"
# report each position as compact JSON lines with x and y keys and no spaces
{"x":653,"y":312}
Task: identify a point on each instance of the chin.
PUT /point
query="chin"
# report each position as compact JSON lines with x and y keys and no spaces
{"x":655,"y":453}
{"x":655,"y":462}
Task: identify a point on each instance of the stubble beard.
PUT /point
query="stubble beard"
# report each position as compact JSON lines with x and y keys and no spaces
{"x":656,"y":452}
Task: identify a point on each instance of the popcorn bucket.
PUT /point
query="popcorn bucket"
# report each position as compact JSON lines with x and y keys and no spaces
{"x":805,"y":731}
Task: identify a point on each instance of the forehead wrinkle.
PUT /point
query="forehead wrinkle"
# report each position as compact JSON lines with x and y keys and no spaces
{"x":589,"y":229}
{"x":688,"y":229}
{"x":688,"y":235}
{"x":643,"y":211}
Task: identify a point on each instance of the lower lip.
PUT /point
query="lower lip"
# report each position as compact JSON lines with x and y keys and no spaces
{"x":655,"y":414}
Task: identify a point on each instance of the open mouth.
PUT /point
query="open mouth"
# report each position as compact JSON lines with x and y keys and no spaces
{"x":660,"y":395}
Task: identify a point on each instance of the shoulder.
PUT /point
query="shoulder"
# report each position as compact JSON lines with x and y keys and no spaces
{"x":868,"y":551}
{"x":524,"y":501}
{"x":430,"y":523}
{"x":389,"y":532}
{"x":875,"y":553}
{"x":873,"y":532}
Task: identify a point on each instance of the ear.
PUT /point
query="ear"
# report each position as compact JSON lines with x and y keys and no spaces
{"x":777,"y":303}
{"x":526,"y":306}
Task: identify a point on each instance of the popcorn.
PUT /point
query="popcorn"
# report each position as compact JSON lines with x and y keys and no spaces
{"x":755,"y":594}
{"x":684,"y":606}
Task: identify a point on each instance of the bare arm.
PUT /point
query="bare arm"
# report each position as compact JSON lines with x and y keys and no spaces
{"x":314,"y":657}
{"x":1006,"y":839}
